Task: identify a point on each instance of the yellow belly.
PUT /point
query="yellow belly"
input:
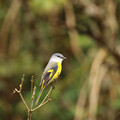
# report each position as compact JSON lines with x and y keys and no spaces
{"x":58,"y":71}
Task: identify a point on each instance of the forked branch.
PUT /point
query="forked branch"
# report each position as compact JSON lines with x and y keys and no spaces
{"x":45,"y":100}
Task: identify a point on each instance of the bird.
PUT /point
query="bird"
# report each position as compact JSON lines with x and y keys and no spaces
{"x":51,"y":72}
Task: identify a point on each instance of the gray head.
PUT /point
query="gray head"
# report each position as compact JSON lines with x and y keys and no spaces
{"x":57,"y":57}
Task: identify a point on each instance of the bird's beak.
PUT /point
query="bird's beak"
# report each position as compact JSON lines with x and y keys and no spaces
{"x":64,"y":58}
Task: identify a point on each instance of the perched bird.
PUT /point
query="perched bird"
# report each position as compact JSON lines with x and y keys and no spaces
{"x":51,"y":72}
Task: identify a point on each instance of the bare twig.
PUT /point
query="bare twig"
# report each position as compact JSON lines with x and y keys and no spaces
{"x":48,"y":100}
{"x":30,"y":110}
{"x":21,"y":82}
{"x":19,"y":92}
{"x":32,"y":98}
{"x":32,"y":86}
{"x":44,"y":102}
{"x":16,"y":90}
{"x":48,"y":95}
{"x":23,"y":101}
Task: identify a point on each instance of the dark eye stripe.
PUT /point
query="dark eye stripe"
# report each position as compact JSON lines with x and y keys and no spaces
{"x":60,"y":56}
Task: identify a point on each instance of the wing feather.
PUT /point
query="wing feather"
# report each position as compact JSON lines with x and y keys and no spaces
{"x":49,"y":72}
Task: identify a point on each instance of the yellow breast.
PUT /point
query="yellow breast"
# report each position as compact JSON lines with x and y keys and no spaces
{"x":58,"y":71}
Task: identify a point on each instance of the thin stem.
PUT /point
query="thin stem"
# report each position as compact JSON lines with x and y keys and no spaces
{"x":30,"y":110}
{"x":22,"y":80}
{"x":24,"y":101}
{"x":32,"y":98}
{"x":22,"y":98}
{"x":29,"y":115}
{"x":48,"y":100}
{"x":48,"y":94}
{"x":44,"y":102}
{"x":31,"y":85}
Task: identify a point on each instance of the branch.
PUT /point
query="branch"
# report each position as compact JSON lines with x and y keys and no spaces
{"x":30,"y":110}
{"x":44,"y":102}
{"x":32,"y":85}
{"x":19,"y":92}
{"x":32,"y":98}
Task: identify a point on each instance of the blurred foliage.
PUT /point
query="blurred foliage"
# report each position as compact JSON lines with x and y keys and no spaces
{"x":39,"y":30}
{"x":45,"y":6}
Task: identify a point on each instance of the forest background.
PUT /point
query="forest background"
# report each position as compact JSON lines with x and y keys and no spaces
{"x":87,"y":32}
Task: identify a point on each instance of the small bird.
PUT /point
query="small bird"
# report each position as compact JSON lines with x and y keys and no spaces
{"x":51,"y":72}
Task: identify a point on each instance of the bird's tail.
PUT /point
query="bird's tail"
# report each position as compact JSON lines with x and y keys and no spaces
{"x":40,"y":93}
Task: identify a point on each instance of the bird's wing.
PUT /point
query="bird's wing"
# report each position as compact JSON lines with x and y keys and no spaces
{"x":48,"y":73}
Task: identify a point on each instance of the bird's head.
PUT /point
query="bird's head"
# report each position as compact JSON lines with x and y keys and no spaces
{"x":57,"y":57}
